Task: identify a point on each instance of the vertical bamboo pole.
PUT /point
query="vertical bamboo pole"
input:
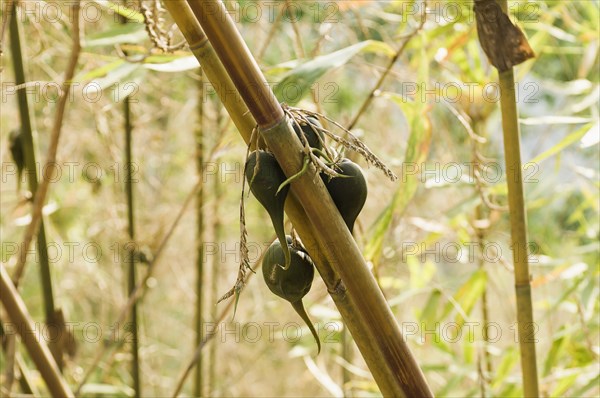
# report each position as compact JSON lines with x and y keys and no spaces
{"x":518,"y":227}
{"x":216,"y":259}
{"x":32,"y":179}
{"x":131,"y":275}
{"x":198,"y":381}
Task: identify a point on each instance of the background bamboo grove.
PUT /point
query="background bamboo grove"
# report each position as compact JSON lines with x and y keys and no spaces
{"x":139,"y":129}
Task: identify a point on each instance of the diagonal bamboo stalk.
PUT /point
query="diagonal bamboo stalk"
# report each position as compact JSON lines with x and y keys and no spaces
{"x":38,"y":350}
{"x":329,"y":242}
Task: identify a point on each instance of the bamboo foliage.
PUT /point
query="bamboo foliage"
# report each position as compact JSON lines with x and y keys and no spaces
{"x":355,"y":292}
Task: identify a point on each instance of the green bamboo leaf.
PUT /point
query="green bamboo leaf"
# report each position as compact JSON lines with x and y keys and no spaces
{"x":467,"y":295}
{"x":558,"y":347}
{"x":100,"y":71}
{"x":509,"y":359}
{"x":123,"y":33}
{"x":113,"y":77}
{"x":428,"y":316}
{"x":565,"y":382}
{"x":564,"y":143}
{"x":450,"y":385}
{"x":593,"y":383}
{"x":550,"y":120}
{"x":296,"y":83}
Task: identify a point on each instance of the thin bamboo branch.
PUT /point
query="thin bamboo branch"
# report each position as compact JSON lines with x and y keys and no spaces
{"x":198,"y":380}
{"x":131,"y":276}
{"x":270,"y":35}
{"x":216,"y":265}
{"x":37,"y":348}
{"x":359,"y":300}
{"x":387,"y":70}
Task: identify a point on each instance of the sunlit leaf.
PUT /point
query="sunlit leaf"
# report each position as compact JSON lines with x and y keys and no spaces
{"x":565,"y":142}
{"x":125,"y":33}
{"x":467,"y":295}
{"x":295,"y":84}
{"x":510,"y":358}
{"x":177,"y":65}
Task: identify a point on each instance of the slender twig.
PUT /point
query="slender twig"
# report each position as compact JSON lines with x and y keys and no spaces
{"x":302,"y":54}
{"x":50,"y":164}
{"x":140,"y":287}
{"x":270,"y":35}
{"x":390,"y":65}
{"x":131,"y":277}
{"x":216,"y":264}
{"x":198,"y":380}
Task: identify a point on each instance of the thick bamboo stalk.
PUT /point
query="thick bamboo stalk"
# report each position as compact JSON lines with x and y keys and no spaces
{"x":30,"y":335}
{"x":357,"y":296}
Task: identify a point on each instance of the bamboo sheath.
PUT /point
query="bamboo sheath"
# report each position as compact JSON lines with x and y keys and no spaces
{"x":315,"y":217}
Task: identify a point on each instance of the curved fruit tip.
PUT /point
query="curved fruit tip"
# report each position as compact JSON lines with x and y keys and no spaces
{"x":299,"y":308}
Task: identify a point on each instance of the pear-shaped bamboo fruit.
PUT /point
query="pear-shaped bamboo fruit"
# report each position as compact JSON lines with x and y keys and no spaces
{"x":264,"y":181}
{"x":310,"y":133}
{"x":17,"y":152}
{"x":349,"y":193}
{"x":291,"y":284}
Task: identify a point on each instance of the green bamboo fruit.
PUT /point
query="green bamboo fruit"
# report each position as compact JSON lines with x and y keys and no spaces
{"x":349,"y":192}
{"x":291,"y":284}
{"x":264,"y":182}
